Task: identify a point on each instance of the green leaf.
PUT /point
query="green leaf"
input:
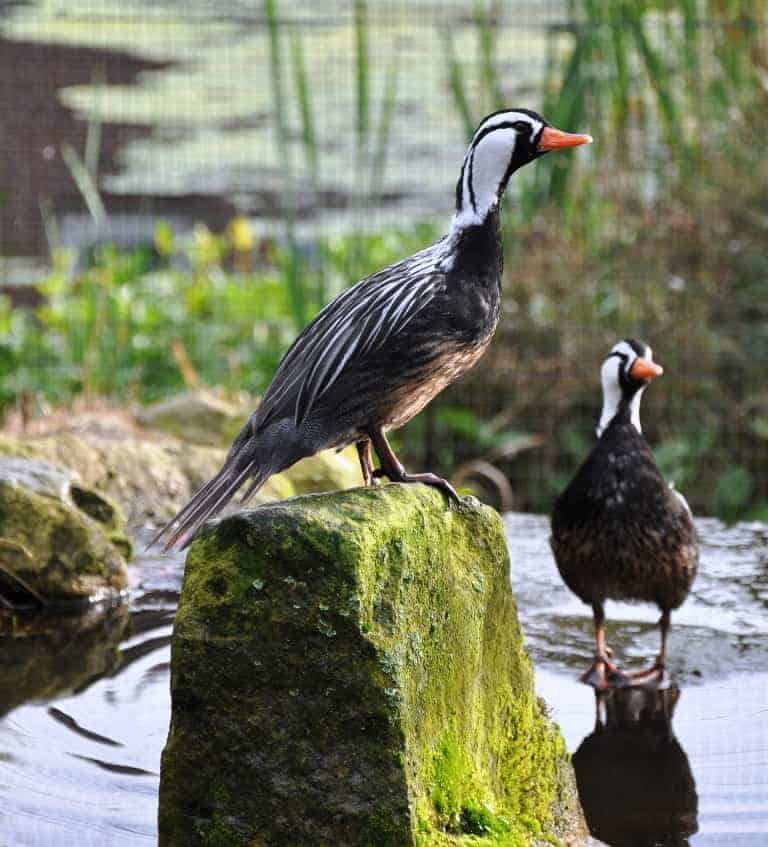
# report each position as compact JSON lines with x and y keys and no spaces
{"x":732,"y":493}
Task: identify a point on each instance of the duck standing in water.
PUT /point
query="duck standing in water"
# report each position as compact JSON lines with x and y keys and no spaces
{"x":378,"y":353}
{"x":619,"y":531}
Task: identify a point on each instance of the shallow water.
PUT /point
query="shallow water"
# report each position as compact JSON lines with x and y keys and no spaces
{"x":84,"y":706}
{"x":80,"y":753}
{"x":715,"y":769}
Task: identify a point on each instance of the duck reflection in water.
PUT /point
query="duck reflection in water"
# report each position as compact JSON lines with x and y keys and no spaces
{"x":635,"y":783}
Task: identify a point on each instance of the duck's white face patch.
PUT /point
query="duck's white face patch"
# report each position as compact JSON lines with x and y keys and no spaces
{"x":486,"y":162}
{"x":609,"y":376}
{"x":622,"y":358}
{"x":489,"y":162}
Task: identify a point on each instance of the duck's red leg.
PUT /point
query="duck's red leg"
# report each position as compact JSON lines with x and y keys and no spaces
{"x":665,"y":621}
{"x":366,"y":462}
{"x":656,"y":673}
{"x":595,"y":675}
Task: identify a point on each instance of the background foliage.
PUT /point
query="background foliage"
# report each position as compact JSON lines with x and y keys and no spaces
{"x":659,"y":233}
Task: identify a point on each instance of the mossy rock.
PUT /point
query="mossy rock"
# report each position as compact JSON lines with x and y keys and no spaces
{"x":326,"y":471}
{"x":61,"y":542}
{"x":151,"y":478}
{"x":348,"y":669}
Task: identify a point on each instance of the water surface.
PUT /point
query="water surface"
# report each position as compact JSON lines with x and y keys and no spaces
{"x":718,"y":657}
{"x":84,"y":704}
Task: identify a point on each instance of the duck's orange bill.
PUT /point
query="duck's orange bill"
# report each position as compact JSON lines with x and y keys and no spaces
{"x":645,"y":369}
{"x":556,"y":139}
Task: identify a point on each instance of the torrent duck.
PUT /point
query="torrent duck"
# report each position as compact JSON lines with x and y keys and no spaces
{"x":378,"y":353}
{"x":619,"y":531}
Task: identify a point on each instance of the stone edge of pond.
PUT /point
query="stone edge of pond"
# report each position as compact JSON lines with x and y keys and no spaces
{"x":151,"y":475}
{"x":62,"y":544}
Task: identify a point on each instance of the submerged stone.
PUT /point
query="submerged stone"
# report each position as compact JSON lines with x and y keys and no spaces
{"x":51,"y":654}
{"x":348,"y":669}
{"x":60,"y":541}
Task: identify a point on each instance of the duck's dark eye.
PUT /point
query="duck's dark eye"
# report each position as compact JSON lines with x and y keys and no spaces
{"x":521,"y":126}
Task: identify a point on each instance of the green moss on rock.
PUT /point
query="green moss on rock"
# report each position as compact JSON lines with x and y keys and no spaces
{"x":348,"y":669}
{"x":60,"y":542}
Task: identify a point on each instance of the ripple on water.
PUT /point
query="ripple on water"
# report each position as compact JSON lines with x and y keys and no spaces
{"x":80,"y":744}
{"x":721,"y":629}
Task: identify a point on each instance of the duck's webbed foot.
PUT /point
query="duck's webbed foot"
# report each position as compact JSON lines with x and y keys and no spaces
{"x":603,"y":674}
{"x":393,"y":469}
{"x":427,"y":478}
{"x":656,"y":676}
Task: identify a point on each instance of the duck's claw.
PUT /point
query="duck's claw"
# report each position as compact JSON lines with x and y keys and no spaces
{"x":656,"y":676}
{"x":603,"y":674}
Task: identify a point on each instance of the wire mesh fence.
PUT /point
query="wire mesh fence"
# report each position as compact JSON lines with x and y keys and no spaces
{"x":203,"y":177}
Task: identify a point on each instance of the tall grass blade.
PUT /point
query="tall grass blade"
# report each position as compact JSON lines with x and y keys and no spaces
{"x":568,"y":109}
{"x":50,"y":225}
{"x":92,"y":148}
{"x":306,"y":112}
{"x":85,"y":182}
{"x":309,"y":140}
{"x":485,"y":19}
{"x":456,"y":84}
{"x":384,"y":131}
{"x":660,"y":79}
{"x":622,"y":82}
{"x":296,"y":288}
{"x":362,"y":76}
{"x":93,"y":132}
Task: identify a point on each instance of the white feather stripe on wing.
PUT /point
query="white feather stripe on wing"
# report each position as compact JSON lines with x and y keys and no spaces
{"x":357,"y":323}
{"x":330,"y":365}
{"x":324,"y":372}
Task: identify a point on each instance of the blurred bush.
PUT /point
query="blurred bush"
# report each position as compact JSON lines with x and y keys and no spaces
{"x":140,"y":324}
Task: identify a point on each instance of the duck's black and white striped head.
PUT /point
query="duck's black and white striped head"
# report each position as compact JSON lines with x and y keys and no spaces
{"x":624,"y":375}
{"x":504,"y":142}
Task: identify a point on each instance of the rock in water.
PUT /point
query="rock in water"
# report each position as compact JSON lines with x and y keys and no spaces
{"x":348,"y":669}
{"x":60,"y":541}
{"x":151,"y":480}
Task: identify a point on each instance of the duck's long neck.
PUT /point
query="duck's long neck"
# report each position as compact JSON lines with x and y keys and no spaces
{"x":616,"y":405}
{"x":476,"y":247}
{"x":475,"y":234}
{"x":479,"y":190}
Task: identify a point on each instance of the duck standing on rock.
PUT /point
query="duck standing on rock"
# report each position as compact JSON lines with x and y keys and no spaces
{"x":619,"y":531}
{"x":378,"y":353}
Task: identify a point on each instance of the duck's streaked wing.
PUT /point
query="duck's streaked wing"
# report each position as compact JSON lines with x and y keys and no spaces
{"x":355,"y":324}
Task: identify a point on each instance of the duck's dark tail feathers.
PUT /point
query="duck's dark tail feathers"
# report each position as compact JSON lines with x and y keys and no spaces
{"x":209,"y":501}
